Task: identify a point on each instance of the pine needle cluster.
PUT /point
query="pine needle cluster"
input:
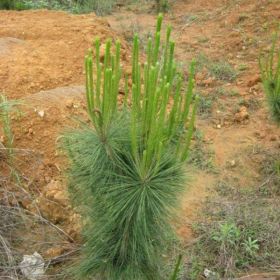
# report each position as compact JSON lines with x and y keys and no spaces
{"x":270,"y":72}
{"x":126,"y":172}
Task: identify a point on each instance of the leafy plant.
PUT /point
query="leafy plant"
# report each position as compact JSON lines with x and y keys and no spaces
{"x":270,"y":72}
{"x":219,"y":69}
{"x":251,"y":246}
{"x":126,"y":174}
{"x":227,"y":234}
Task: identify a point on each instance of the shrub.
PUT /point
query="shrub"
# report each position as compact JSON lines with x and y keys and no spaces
{"x":270,"y":72}
{"x":126,"y":172}
{"x":101,"y":7}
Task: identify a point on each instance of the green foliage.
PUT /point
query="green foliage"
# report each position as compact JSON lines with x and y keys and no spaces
{"x":101,"y":7}
{"x":222,"y":70}
{"x":162,"y":5}
{"x":126,"y":175}
{"x":219,"y":69}
{"x":205,"y":105}
{"x":7,"y":4}
{"x":270,"y":72}
{"x":177,"y":268}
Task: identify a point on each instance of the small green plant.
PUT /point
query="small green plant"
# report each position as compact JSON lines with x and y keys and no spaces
{"x":222,"y":70}
{"x":205,"y":105}
{"x":126,"y":172}
{"x":251,"y":246}
{"x":219,"y":69}
{"x":227,"y":234}
{"x":270,"y":73}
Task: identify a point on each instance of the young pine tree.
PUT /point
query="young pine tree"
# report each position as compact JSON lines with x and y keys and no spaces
{"x":126,"y":171}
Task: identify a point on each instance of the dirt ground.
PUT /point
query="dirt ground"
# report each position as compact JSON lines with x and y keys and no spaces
{"x":41,"y":63}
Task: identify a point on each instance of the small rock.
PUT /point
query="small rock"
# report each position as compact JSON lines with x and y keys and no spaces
{"x":41,"y":113}
{"x":232,"y":163}
{"x":69,"y":104}
{"x":30,"y":131}
{"x":242,"y":115}
{"x":219,"y":126}
{"x":54,"y":203}
{"x":32,"y":266}
{"x":56,"y":192}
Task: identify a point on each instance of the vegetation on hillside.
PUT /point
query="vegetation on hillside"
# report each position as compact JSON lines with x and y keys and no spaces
{"x":100,"y":7}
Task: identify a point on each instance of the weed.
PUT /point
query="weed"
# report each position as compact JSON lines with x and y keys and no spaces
{"x":205,"y":105}
{"x":220,"y":69}
{"x":223,"y":92}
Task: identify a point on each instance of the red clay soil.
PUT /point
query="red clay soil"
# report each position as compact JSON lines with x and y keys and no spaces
{"x":47,"y":51}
